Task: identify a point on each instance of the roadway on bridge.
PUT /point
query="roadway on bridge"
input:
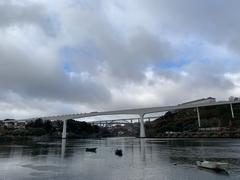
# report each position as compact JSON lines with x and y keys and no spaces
{"x":138,"y":111}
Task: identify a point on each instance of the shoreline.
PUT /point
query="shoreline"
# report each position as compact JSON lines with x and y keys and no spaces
{"x":164,"y":136}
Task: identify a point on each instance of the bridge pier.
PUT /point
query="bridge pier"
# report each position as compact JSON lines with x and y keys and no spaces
{"x":64,"y":132}
{"x":199,"y":119}
{"x":142,"y":128}
{"x":233,"y":116}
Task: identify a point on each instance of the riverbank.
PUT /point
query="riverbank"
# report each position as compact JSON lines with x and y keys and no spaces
{"x":206,"y":134}
{"x":48,"y":129}
{"x":199,"y":134}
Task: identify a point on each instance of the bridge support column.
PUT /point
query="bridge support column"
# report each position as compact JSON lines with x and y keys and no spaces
{"x":233,"y":116}
{"x":142,"y":128}
{"x":64,"y":132}
{"x":199,"y":119}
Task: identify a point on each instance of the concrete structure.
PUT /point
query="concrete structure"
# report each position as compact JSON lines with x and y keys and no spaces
{"x":198,"y":116}
{"x":123,"y":121}
{"x":64,"y":133}
{"x":141,"y":112}
{"x":199,"y":101}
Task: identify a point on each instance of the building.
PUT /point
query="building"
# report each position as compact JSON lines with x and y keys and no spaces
{"x":199,"y":101}
{"x":232,"y":98}
{"x":13,"y":124}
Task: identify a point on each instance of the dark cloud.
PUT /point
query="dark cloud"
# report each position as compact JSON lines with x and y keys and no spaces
{"x":31,"y":77}
{"x":27,"y":14}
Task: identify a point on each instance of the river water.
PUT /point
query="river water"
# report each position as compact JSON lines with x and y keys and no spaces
{"x":143,"y":159}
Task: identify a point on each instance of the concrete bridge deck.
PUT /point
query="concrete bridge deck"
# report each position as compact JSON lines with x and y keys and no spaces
{"x":138,"y":111}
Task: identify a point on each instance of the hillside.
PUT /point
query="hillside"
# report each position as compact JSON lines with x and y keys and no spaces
{"x":218,"y":117}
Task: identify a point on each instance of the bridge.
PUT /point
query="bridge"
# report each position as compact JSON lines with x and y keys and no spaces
{"x":107,"y":122}
{"x":141,"y":112}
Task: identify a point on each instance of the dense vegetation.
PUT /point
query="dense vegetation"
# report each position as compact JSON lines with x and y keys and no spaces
{"x":75,"y":129}
{"x":186,"y":120}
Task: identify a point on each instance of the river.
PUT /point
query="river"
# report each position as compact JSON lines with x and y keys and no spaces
{"x":143,"y":159}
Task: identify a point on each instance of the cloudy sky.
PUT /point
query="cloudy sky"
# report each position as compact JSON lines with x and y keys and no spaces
{"x":69,"y":56}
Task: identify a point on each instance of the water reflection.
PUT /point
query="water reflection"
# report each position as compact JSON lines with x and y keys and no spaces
{"x":142,"y":159}
{"x":63,"y":147}
{"x":142,"y":150}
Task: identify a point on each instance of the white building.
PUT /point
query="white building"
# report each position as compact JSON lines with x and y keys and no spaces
{"x":233,"y":98}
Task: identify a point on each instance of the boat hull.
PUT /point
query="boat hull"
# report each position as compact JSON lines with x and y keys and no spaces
{"x":212,"y":165}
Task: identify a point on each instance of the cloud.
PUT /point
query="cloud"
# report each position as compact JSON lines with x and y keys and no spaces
{"x":20,"y":14}
{"x":214,"y":21}
{"x":32,"y":70}
{"x":123,"y":58}
{"x":31,"y":77}
{"x":64,"y":56}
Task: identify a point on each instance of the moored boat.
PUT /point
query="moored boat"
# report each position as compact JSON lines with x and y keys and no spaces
{"x":213,"y":165}
{"x":118,"y":152}
{"x":91,"y":149}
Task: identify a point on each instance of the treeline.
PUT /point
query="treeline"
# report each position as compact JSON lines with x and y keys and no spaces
{"x":186,"y":119}
{"x":75,"y":129}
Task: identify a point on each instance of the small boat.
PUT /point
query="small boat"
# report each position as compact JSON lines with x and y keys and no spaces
{"x":218,"y":166}
{"x":118,"y":152}
{"x":91,"y":149}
